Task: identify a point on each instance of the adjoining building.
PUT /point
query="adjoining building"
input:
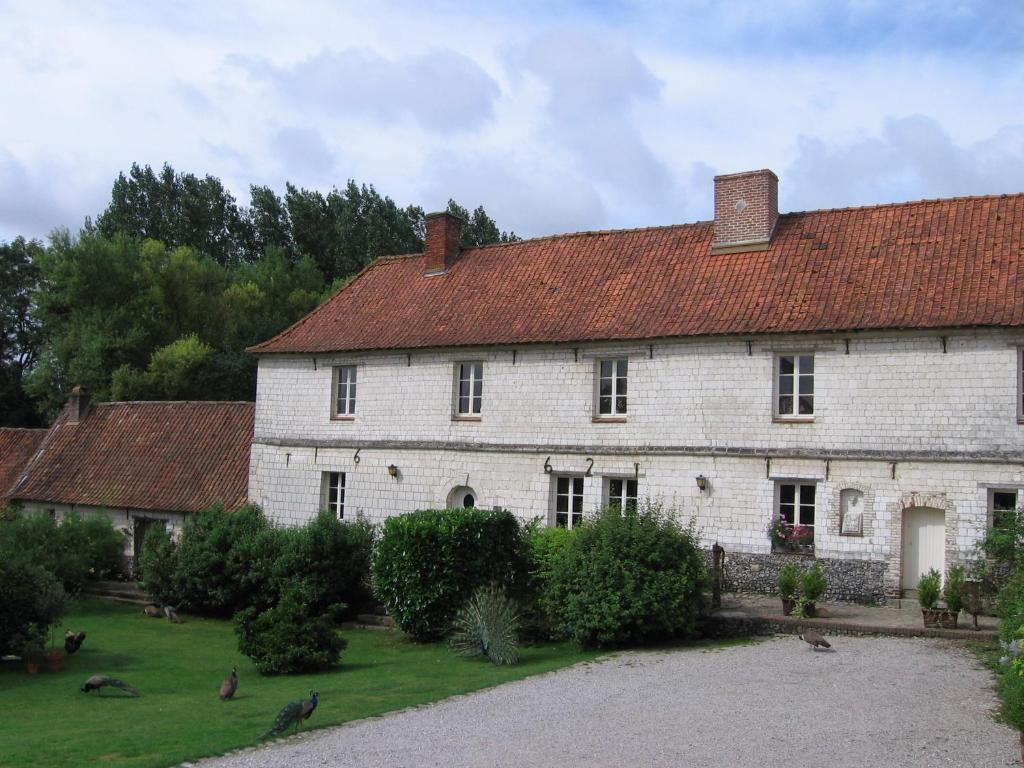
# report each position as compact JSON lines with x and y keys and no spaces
{"x":137,"y":463}
{"x":855,"y":372}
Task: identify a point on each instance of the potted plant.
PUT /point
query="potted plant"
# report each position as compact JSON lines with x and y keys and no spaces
{"x":813,"y":586}
{"x":789,"y":585}
{"x":928,"y":595}
{"x":787,"y":537}
{"x":953,"y":593}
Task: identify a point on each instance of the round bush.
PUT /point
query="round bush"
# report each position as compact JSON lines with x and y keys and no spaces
{"x":428,"y":564}
{"x":625,"y":578}
{"x":31,"y":599}
{"x":288,"y":637}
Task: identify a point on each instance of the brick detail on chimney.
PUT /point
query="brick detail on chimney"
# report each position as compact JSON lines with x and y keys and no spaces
{"x":78,"y":404}
{"x":746,"y":209}
{"x":442,"y":248}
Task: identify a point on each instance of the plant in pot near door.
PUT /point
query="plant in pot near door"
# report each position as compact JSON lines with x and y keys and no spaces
{"x":812,"y":586}
{"x":789,"y":585}
{"x":953,"y":593}
{"x":928,"y":589}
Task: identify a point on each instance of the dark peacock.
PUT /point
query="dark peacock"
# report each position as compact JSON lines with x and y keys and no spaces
{"x":229,"y":686}
{"x":293,"y":714}
{"x":815,"y":639}
{"x":98,"y":682}
{"x":73,"y":641}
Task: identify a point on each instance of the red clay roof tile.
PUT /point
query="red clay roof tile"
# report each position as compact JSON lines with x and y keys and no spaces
{"x":927,"y":264}
{"x":16,"y":449}
{"x":170,"y":456}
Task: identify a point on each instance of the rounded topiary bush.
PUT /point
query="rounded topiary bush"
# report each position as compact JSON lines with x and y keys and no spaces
{"x":31,"y":599}
{"x":626,"y":577}
{"x":289,"y":637}
{"x":428,"y":564}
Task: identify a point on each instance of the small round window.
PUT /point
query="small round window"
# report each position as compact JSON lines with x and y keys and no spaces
{"x":462,"y":496}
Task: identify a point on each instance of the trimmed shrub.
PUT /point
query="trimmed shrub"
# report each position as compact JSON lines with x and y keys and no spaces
{"x":288,"y":637}
{"x":543,"y":545}
{"x":789,"y":581}
{"x":928,"y":589}
{"x":76,"y":550}
{"x":813,"y":583}
{"x":158,"y":562}
{"x":428,"y":564}
{"x":31,"y":600}
{"x":953,"y":590}
{"x":626,"y":577}
{"x":212,"y":574}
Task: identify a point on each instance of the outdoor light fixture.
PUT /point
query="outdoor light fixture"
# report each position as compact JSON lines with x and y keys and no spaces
{"x":702,"y":483}
{"x":392,"y":470}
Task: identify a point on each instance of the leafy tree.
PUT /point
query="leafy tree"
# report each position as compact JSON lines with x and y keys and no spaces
{"x":478,"y":228}
{"x":20,"y":329}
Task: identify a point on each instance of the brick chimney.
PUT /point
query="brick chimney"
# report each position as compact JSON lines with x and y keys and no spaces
{"x":78,"y":404}
{"x":746,"y":209}
{"x":443,"y":231}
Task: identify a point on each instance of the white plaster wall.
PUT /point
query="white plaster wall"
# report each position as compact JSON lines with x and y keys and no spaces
{"x":121,"y":519}
{"x":895,"y":392}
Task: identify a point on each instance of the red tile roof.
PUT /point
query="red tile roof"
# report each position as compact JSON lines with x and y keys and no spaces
{"x":929,"y":264}
{"x":170,"y":456}
{"x":16,"y":449}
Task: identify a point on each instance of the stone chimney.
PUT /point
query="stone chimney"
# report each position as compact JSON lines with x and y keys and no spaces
{"x":746,"y":209}
{"x":443,"y":231}
{"x":78,"y":404}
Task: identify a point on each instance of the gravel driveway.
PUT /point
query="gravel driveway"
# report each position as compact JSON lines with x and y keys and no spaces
{"x":869,"y":702}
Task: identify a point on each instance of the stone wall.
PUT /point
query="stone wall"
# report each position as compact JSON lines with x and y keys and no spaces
{"x":861,"y":581}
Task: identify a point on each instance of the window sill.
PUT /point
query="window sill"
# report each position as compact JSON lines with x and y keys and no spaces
{"x":343,"y":418}
{"x":608,"y":419}
{"x":467,"y":418}
{"x":794,"y":550}
{"x":792,"y":419}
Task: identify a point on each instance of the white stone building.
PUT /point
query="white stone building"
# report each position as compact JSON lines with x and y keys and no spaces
{"x":854,"y":371}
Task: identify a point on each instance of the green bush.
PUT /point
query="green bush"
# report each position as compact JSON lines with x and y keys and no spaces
{"x":542,"y":547}
{"x":428,"y":564}
{"x":288,"y":637}
{"x":953,"y":591}
{"x":1011,"y":692}
{"x":31,"y":600}
{"x":813,"y":583}
{"x":928,"y":589}
{"x":158,"y":563}
{"x":789,"y":581}
{"x":626,"y":577}
{"x":75,"y":550}
{"x":1010,"y":607}
{"x":212,"y":573}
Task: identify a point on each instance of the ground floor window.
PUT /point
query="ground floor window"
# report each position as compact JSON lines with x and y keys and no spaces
{"x":1002,"y":506}
{"x":461,"y":496}
{"x":568,"y":501}
{"x":620,"y":492}
{"x":333,"y":494}
{"x":793,"y":525}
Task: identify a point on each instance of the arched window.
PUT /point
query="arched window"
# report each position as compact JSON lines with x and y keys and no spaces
{"x":462,"y":496}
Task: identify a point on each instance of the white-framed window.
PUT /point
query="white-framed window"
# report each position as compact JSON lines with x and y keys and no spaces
{"x":620,"y":492}
{"x":612,"y":385}
{"x":794,"y":386}
{"x":333,"y":494}
{"x":469,"y":389}
{"x":568,"y":511}
{"x":796,"y":503}
{"x":1002,"y":503}
{"x":344,"y":390}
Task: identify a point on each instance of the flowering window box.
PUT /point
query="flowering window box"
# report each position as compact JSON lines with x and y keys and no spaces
{"x":787,"y":537}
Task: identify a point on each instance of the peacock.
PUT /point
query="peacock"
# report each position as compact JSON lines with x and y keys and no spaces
{"x":98,"y":682}
{"x":73,"y":641}
{"x":293,"y":714}
{"x":229,"y":686}
{"x":171,"y":614}
{"x":815,"y":639}
{"x":153,"y":611}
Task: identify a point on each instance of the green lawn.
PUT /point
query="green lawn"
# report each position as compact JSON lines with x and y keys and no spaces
{"x":46,"y":721}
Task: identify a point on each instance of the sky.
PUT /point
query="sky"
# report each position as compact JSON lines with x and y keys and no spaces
{"x":556,"y":117}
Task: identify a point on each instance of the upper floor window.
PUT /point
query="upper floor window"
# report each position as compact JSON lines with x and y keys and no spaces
{"x":620,"y":492}
{"x":794,"y":386}
{"x":612,"y":378}
{"x":1002,"y":506}
{"x":568,"y":501}
{"x":469,"y":389}
{"x":333,"y":493}
{"x":345,"y":390}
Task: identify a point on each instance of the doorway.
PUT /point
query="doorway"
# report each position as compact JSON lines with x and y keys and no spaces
{"x":924,"y":544}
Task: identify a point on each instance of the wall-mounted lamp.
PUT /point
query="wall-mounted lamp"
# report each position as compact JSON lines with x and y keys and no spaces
{"x":702,"y":483}
{"x":392,"y":470}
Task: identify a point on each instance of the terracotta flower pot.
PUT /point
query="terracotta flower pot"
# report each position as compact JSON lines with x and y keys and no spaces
{"x":32,"y":667}
{"x":932,"y":617}
{"x":948,"y":619}
{"x":788,"y":604}
{"x":810,"y":610}
{"x":54,"y":660}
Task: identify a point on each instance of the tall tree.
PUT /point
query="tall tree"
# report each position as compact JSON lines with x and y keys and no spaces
{"x":20,"y":329}
{"x":478,"y":228}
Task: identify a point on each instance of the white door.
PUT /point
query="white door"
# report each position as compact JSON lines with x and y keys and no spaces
{"x":924,"y":543}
